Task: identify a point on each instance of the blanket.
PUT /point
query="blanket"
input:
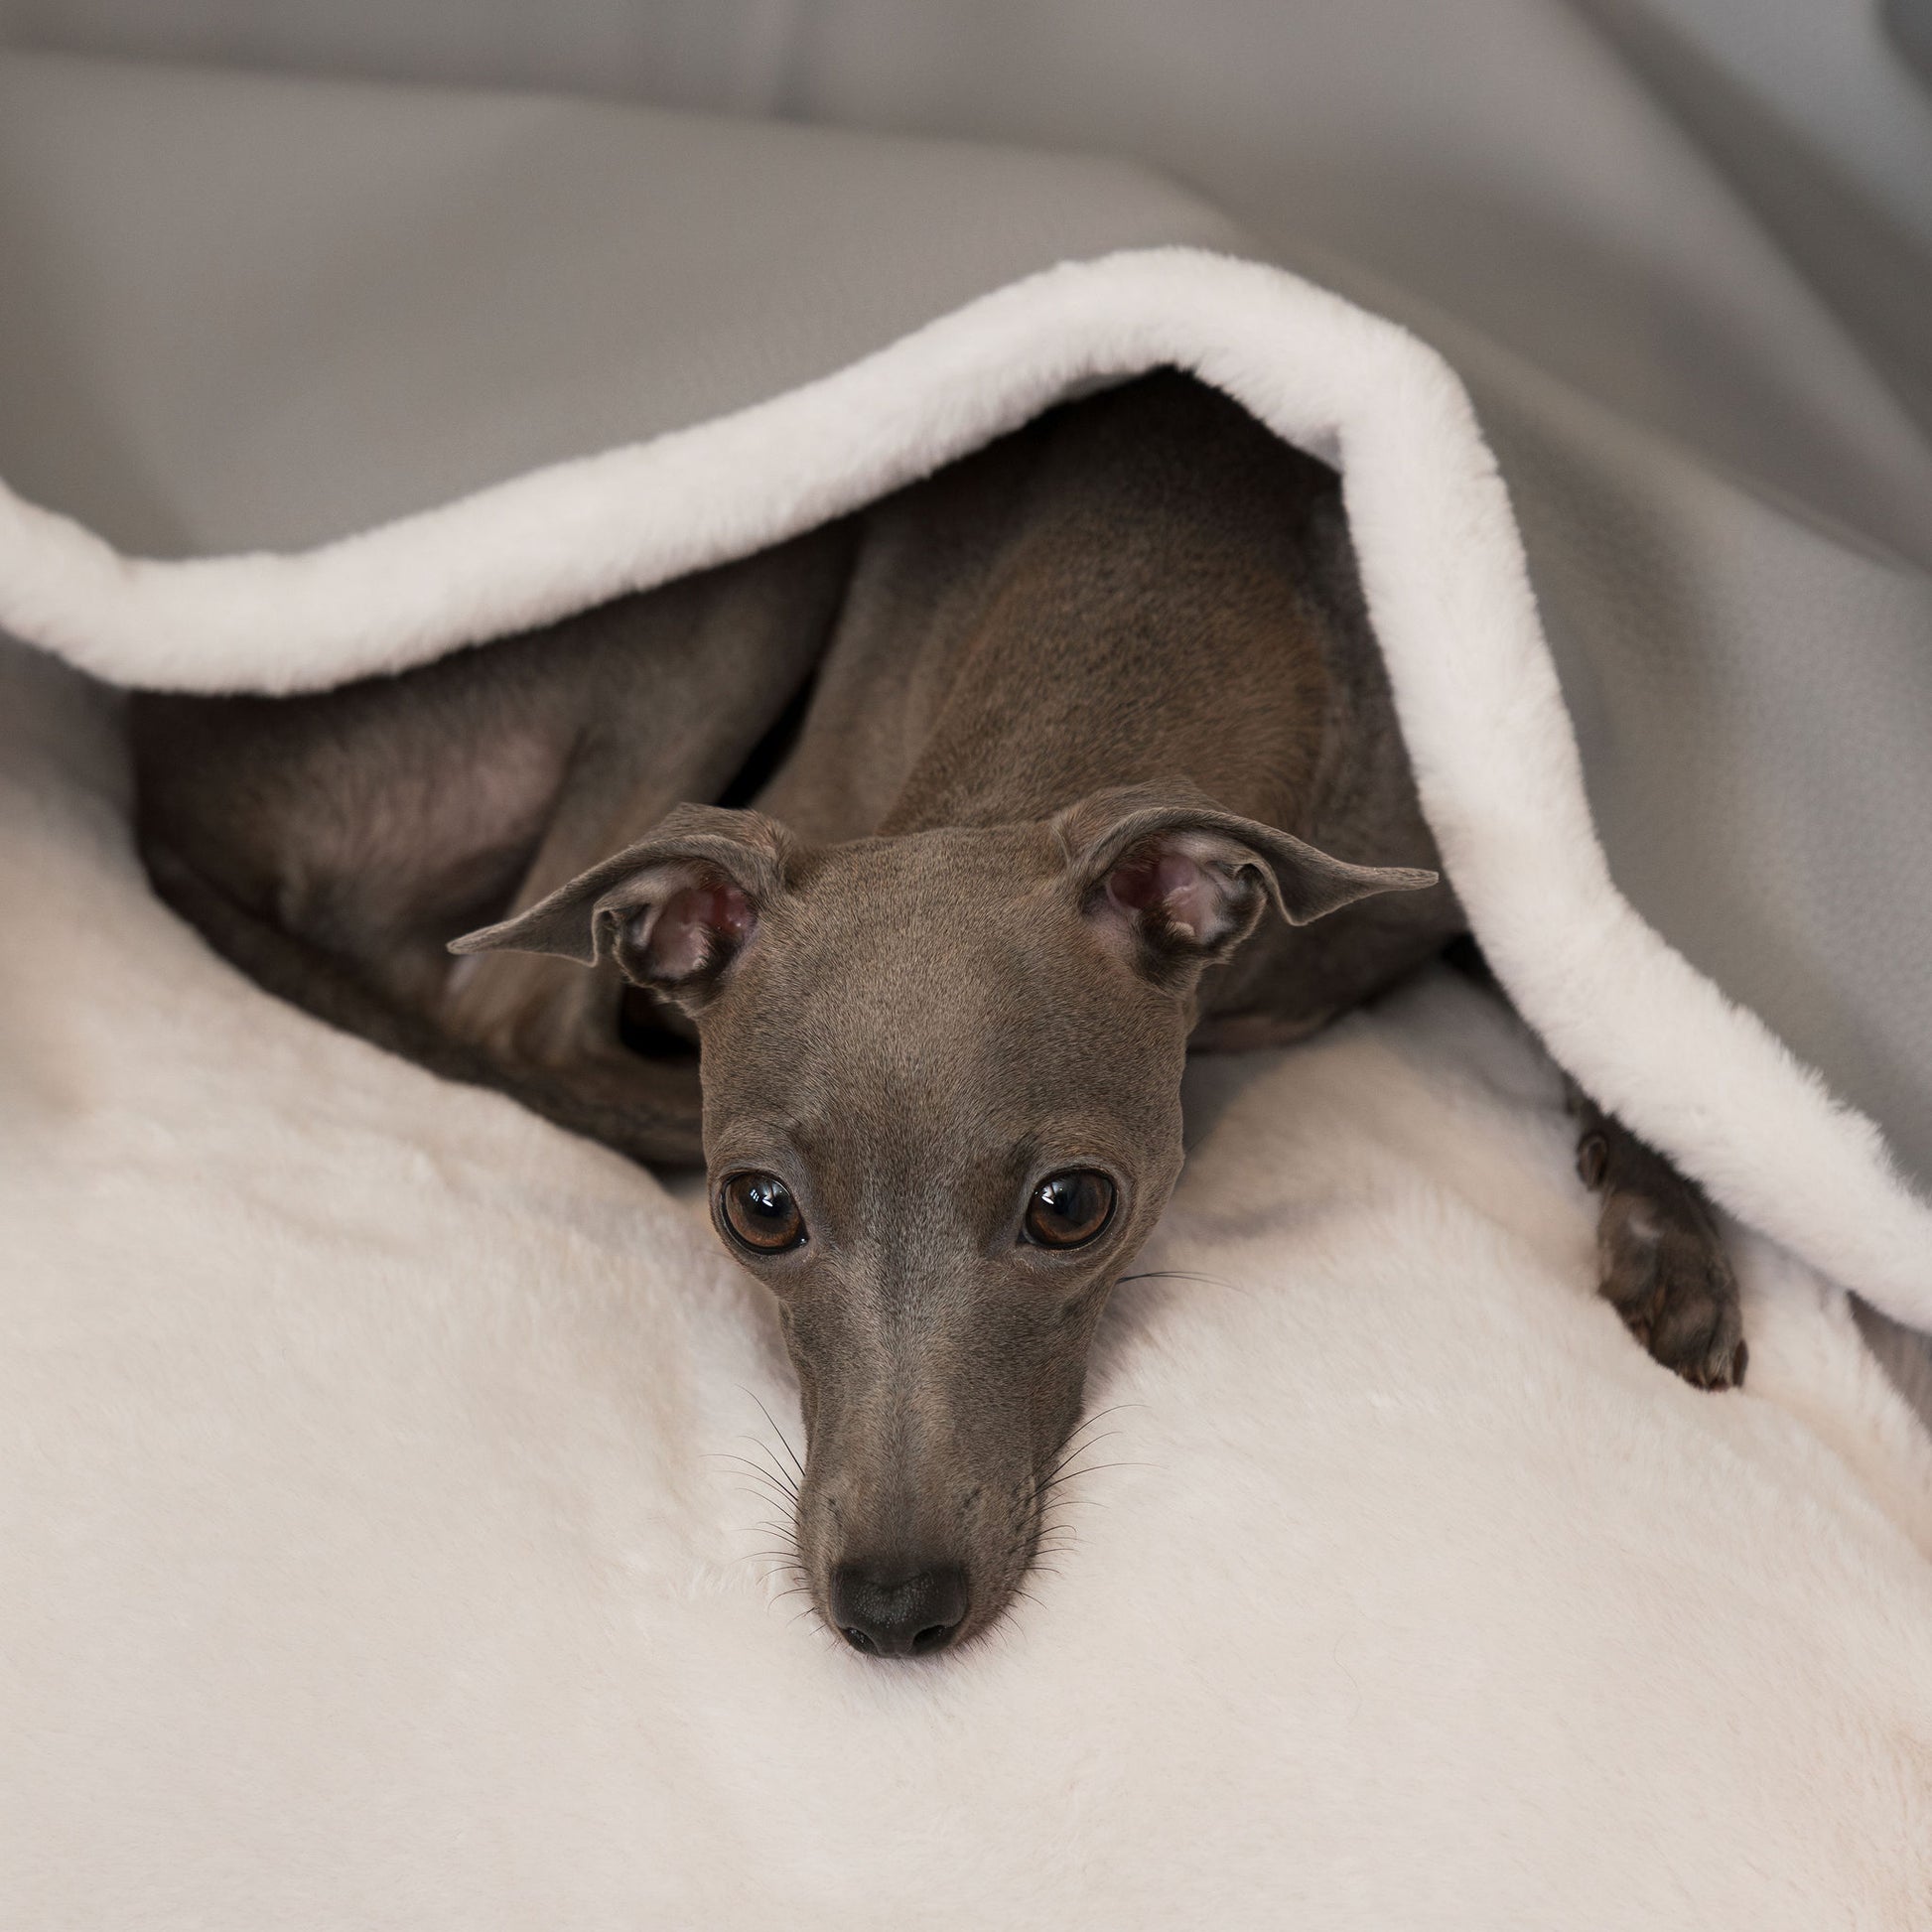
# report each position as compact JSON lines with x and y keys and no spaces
{"x":379,"y":1553}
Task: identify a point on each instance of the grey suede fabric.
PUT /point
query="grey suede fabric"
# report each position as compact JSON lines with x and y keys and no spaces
{"x":245,"y":313}
{"x":248,"y":313}
{"x":1715,"y":216}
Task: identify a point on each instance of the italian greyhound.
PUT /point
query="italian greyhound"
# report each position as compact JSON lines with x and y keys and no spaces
{"x":963,"y":819}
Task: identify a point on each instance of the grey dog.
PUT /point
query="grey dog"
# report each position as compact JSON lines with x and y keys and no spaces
{"x":1011,"y":788}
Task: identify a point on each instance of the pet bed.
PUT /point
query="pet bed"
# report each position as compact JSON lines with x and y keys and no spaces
{"x":374,"y":1554}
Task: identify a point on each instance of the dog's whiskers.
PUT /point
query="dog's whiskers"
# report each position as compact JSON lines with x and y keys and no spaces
{"x":779,"y":1469}
{"x":777,"y":1478}
{"x":1071,"y":1449}
{"x":768,"y":1493}
{"x":1100,"y":1414}
{"x":781,"y":1435}
{"x":1069,"y":1467}
{"x":1092,"y":1468}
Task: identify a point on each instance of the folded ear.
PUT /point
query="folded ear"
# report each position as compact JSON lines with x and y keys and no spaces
{"x":673,"y":911}
{"x":1178,"y":883}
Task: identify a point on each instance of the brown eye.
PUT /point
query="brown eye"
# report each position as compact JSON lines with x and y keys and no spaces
{"x":1068,"y":1209}
{"x":758,"y":1212}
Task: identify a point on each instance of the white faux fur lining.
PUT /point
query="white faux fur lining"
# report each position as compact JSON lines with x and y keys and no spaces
{"x":1441,"y":564}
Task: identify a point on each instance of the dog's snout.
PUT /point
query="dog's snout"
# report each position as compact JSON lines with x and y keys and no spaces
{"x":895,"y":1611}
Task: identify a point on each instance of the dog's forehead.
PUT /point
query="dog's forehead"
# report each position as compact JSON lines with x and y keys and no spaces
{"x":869,"y":887}
{"x":954,"y":910}
{"x":927,"y":978}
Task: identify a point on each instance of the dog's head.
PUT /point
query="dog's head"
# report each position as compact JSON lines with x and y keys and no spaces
{"x":942,"y":1113}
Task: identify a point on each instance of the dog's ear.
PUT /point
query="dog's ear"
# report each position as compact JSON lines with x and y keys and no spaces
{"x":1178,"y":883}
{"x":673,"y":911}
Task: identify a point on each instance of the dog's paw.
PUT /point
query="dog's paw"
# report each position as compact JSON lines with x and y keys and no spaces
{"x":1666,"y":1273}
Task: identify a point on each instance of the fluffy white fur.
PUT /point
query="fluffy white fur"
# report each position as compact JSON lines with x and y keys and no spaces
{"x":375,"y":1554}
{"x":1493,"y":750}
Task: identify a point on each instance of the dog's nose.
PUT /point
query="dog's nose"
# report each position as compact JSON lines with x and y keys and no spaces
{"x":892,"y":1612}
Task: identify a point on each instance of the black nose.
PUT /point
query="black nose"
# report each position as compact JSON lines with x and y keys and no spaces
{"x":892,"y":1612}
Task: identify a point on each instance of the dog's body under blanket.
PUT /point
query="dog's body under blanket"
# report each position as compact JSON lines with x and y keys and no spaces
{"x":847,"y":683}
{"x":1117,"y":664}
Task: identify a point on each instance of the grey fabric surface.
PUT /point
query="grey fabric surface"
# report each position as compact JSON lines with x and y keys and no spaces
{"x":1715,"y":216}
{"x":245,"y":313}
{"x":260,"y":313}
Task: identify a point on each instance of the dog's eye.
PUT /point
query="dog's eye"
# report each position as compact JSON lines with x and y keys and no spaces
{"x":759,"y":1212}
{"x":1067,"y":1210}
